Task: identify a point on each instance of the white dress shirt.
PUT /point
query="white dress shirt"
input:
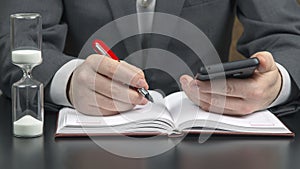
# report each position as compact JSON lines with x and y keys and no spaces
{"x":59,"y":82}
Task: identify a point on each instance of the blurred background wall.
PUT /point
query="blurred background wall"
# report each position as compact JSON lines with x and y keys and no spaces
{"x":237,"y":32}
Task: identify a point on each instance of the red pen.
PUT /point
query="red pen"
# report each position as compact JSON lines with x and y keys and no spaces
{"x":102,"y":49}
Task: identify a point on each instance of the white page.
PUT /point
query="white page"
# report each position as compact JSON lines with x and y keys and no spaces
{"x":183,"y":110}
{"x":148,"y":112}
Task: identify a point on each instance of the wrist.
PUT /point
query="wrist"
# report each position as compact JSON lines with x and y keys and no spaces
{"x":69,"y":90}
{"x":59,"y":91}
{"x":285,"y":88}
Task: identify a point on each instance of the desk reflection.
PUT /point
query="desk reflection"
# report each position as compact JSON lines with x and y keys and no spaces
{"x":28,"y":150}
{"x":239,"y":154}
{"x":189,"y":154}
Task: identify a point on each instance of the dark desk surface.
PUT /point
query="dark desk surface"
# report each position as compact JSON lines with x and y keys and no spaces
{"x":218,"y":152}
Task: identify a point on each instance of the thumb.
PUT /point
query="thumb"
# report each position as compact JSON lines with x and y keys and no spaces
{"x":185,"y":80}
{"x":266,"y":62}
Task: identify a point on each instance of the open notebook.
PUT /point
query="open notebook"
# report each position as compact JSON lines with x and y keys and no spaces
{"x":174,"y":114}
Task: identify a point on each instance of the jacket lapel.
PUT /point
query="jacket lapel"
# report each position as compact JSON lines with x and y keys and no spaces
{"x":172,"y":7}
{"x":120,"y":8}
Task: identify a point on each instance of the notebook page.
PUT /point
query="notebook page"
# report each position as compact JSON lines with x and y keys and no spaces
{"x":148,"y":112}
{"x":261,"y":119}
{"x":183,"y":110}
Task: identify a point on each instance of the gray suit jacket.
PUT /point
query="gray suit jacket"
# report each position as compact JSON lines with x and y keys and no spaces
{"x":272,"y":25}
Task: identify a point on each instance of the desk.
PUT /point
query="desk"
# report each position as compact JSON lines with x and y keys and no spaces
{"x":219,"y":152}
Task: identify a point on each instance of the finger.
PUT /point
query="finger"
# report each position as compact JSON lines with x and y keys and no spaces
{"x":232,"y":103}
{"x":108,"y":104}
{"x":143,"y":84}
{"x":210,"y":108}
{"x":217,"y":103}
{"x":118,"y":71}
{"x":83,"y":105}
{"x":220,"y":101}
{"x":185,"y":85}
{"x":102,"y":64}
{"x":198,"y":92}
{"x":231,"y":87}
{"x":185,"y":80}
{"x":266,"y":62}
{"x":117,"y":91}
{"x":97,"y":111}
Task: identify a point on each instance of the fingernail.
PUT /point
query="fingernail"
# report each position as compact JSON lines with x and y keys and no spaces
{"x":183,"y":81}
{"x":141,"y":83}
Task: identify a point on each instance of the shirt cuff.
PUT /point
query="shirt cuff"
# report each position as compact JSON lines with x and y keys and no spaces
{"x":285,"y":87}
{"x":58,"y":87}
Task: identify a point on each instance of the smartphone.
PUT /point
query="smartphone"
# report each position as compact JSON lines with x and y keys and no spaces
{"x":236,"y":69}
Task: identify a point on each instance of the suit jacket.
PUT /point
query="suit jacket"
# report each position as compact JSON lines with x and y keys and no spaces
{"x":272,"y":25}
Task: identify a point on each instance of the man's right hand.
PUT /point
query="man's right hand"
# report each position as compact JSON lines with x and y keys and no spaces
{"x":103,"y":86}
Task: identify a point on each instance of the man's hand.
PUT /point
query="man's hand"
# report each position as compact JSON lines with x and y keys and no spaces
{"x":238,"y":96}
{"x":100,"y":86}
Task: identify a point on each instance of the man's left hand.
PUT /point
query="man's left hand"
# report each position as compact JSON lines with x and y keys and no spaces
{"x":238,"y":96}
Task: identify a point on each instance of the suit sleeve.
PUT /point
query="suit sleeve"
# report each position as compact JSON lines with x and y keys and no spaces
{"x":274,"y":26}
{"x":54,"y":35}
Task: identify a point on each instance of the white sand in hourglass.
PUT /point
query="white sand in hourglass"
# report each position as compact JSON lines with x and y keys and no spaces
{"x":26,"y":56}
{"x":28,"y":126}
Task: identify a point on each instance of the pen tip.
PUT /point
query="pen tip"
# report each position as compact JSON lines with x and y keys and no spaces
{"x":150,"y":99}
{"x":146,"y":94}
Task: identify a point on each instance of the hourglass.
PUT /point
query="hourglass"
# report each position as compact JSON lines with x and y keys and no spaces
{"x":27,"y":93}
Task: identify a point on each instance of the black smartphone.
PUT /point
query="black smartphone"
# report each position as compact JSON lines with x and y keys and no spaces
{"x":236,"y":69}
